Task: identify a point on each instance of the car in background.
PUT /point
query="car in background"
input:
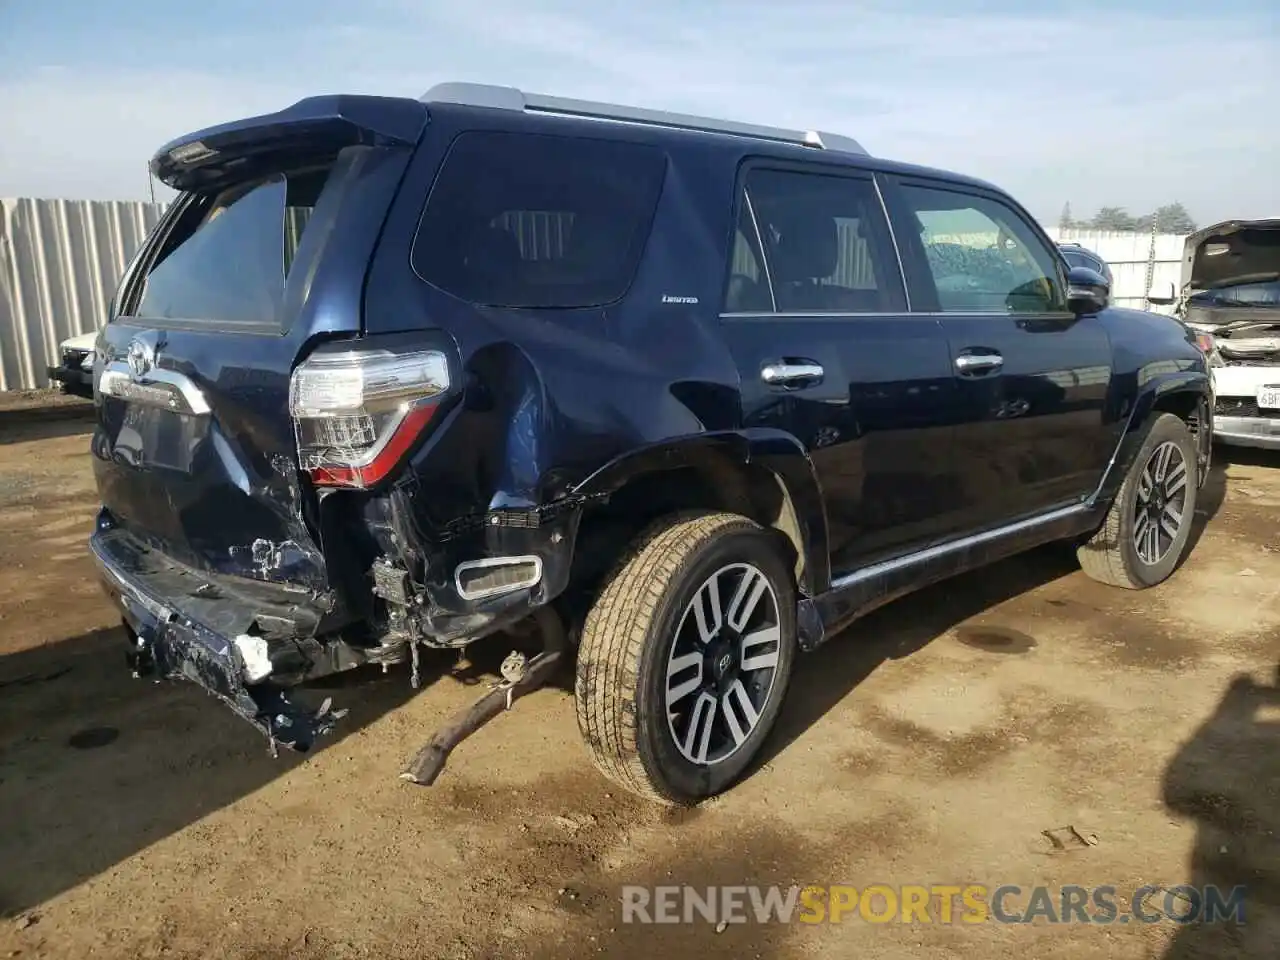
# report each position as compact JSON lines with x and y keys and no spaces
{"x":1078,"y":256}
{"x":1230,"y":299}
{"x":74,"y":369}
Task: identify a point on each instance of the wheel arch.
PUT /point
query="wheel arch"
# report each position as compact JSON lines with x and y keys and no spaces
{"x":1187,"y":394}
{"x":765,"y":475}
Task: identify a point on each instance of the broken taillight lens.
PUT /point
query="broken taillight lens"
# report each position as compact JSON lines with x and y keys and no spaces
{"x":357,"y":412}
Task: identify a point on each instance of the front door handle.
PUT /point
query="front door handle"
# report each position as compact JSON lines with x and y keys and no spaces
{"x":791,"y":373}
{"x":978,"y":362}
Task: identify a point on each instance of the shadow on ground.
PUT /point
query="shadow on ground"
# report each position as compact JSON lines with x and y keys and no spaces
{"x":1226,"y":779}
{"x":96,"y":765}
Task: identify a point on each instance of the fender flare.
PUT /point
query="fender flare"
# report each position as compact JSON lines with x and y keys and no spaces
{"x":1159,"y":388}
{"x":776,"y":451}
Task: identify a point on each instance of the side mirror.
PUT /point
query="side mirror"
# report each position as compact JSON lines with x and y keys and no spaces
{"x":1162,"y":293}
{"x":1087,"y":291}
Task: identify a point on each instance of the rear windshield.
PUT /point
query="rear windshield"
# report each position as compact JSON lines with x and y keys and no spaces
{"x":518,"y":220}
{"x":228,"y":259}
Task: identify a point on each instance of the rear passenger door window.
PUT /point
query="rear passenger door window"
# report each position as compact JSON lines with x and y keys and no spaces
{"x":809,"y":242}
{"x":981,"y":255}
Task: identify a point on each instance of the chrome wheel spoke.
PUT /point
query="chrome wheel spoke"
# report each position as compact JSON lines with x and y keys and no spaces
{"x":765,"y":658}
{"x":706,"y":608}
{"x":750,"y":590}
{"x":1153,"y":542}
{"x":682,"y":665}
{"x":1170,"y":520}
{"x":740,"y":714}
{"x":701,"y":721}
{"x":1176,"y":478}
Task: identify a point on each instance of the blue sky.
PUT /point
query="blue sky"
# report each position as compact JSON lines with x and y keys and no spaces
{"x":1128,"y":103}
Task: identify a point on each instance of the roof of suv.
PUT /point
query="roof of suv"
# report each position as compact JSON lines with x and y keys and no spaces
{"x":779,"y":141}
{"x":359,"y":118}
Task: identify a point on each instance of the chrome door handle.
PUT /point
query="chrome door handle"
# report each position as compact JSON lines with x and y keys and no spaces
{"x":978,"y":362}
{"x":795,"y":373}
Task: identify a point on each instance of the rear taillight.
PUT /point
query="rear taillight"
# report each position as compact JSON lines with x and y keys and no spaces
{"x":357,"y":412}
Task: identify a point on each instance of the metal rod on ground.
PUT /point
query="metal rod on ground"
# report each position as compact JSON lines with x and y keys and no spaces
{"x":427,"y":764}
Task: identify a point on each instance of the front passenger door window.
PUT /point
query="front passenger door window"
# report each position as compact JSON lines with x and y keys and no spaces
{"x":982,"y":256}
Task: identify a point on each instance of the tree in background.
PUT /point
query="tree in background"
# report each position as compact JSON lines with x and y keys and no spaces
{"x":1171,"y":218}
{"x":1113,"y":218}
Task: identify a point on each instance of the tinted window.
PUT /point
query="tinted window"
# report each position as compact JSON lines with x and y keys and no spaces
{"x":534,"y":221}
{"x":823,"y":243}
{"x":983,"y":257}
{"x":1076,"y":260}
{"x":748,"y":290}
{"x":229,"y":257}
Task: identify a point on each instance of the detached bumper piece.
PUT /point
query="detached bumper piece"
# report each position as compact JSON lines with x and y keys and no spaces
{"x":166,"y":644}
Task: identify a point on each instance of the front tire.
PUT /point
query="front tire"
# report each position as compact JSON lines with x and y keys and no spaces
{"x":1149,"y":523}
{"x":686,"y":656}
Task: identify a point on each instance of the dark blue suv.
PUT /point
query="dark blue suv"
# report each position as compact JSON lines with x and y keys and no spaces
{"x":667,"y":397}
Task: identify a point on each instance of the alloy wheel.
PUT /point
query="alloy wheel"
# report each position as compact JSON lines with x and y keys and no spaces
{"x":1160,"y":510}
{"x":722,"y":665}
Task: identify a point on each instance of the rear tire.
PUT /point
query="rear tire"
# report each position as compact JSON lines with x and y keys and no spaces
{"x":686,"y":656}
{"x":1147,"y":528}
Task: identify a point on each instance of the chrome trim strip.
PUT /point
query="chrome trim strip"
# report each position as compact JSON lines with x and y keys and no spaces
{"x":116,"y":379}
{"x":490,"y":562}
{"x":764,"y":257}
{"x":893,"y":239}
{"x":954,"y":546}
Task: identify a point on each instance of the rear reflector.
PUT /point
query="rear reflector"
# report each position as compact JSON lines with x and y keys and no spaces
{"x":357,"y":412}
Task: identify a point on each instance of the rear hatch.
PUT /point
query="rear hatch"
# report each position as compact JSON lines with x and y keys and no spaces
{"x":263,"y":255}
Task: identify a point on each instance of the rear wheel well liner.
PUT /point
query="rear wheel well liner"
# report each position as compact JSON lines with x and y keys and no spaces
{"x":766,"y":477}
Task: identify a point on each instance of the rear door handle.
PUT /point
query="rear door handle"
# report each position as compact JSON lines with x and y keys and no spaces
{"x":978,"y":362}
{"x":791,"y":373}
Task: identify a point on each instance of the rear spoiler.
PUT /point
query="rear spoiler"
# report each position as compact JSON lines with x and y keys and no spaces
{"x":316,"y":125}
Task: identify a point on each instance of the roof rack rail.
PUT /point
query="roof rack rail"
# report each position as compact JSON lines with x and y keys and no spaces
{"x":512,"y":98}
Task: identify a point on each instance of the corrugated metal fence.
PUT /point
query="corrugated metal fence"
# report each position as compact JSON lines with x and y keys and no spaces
{"x":60,"y":261}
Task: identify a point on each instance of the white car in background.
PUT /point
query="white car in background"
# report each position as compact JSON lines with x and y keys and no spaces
{"x":75,"y":365}
{"x":1230,"y":298}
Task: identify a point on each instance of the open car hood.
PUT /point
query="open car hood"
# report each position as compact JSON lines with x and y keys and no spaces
{"x":1232,"y":252}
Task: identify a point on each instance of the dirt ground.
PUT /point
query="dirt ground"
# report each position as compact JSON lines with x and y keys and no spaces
{"x":934,"y":743}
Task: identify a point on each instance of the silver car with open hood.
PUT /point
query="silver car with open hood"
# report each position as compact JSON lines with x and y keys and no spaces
{"x":1230,"y":297}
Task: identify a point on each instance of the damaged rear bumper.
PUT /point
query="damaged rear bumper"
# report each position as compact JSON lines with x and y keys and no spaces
{"x":166,"y":643}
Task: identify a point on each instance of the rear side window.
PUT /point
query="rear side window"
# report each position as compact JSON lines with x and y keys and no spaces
{"x":823,"y":242}
{"x":229,"y":257}
{"x":519,"y":220}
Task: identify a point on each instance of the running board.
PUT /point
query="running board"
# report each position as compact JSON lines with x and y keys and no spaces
{"x":861,"y":591}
